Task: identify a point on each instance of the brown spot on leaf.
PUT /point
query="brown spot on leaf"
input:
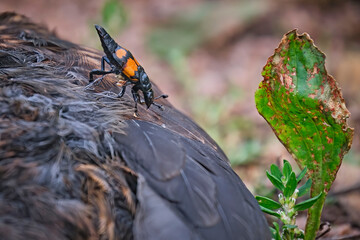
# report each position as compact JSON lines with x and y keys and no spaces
{"x":312,"y":95}
{"x":329,"y":140}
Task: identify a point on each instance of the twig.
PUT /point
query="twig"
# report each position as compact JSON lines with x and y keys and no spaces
{"x":324,"y":230}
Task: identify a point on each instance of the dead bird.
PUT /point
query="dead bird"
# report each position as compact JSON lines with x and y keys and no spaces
{"x":76,"y":163}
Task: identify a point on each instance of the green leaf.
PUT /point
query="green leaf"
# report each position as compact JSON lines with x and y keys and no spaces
{"x":307,"y":203}
{"x":301,"y":175}
{"x":299,"y":235}
{"x":290,"y":185}
{"x":268,"y":203}
{"x":306,"y":110}
{"x":288,"y":226}
{"x":275,"y":232}
{"x":305,"y":188}
{"x":287,"y":169}
{"x":275,"y":171}
{"x":269,"y":211}
{"x":276,"y":182}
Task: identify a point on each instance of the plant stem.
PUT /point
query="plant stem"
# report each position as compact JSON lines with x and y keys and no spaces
{"x":313,"y":219}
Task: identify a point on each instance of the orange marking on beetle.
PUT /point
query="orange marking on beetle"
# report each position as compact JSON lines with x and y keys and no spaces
{"x":120,"y":53}
{"x":137,"y":63}
{"x":130,"y":68}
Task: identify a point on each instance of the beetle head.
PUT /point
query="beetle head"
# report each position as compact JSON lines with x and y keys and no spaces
{"x":148,"y":97}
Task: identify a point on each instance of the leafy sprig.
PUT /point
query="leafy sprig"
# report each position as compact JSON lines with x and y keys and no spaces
{"x":286,"y":209}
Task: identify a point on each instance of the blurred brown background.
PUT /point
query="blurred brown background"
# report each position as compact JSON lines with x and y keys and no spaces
{"x":208,"y":56}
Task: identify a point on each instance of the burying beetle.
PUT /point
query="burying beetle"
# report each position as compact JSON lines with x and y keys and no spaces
{"x":123,"y":63}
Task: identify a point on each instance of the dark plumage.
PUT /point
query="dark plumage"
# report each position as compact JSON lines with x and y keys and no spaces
{"x":76,"y":164}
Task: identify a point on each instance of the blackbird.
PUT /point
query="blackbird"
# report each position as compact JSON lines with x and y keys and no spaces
{"x":77,"y":163}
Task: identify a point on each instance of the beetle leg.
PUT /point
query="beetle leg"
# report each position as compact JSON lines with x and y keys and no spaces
{"x":103,"y":60}
{"x":122,"y":91}
{"x":102,"y":70}
{"x":158,"y":105}
{"x":134,"y":91}
{"x":99,"y":72}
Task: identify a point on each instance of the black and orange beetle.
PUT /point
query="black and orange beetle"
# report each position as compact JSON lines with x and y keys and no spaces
{"x":123,"y":63}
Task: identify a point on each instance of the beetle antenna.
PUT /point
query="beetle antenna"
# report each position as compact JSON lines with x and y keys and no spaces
{"x":162,"y":96}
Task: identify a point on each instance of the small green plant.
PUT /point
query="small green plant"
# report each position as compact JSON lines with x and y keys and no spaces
{"x":287,"y":208}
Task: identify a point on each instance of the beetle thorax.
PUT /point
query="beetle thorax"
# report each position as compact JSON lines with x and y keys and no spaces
{"x":144,"y":81}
